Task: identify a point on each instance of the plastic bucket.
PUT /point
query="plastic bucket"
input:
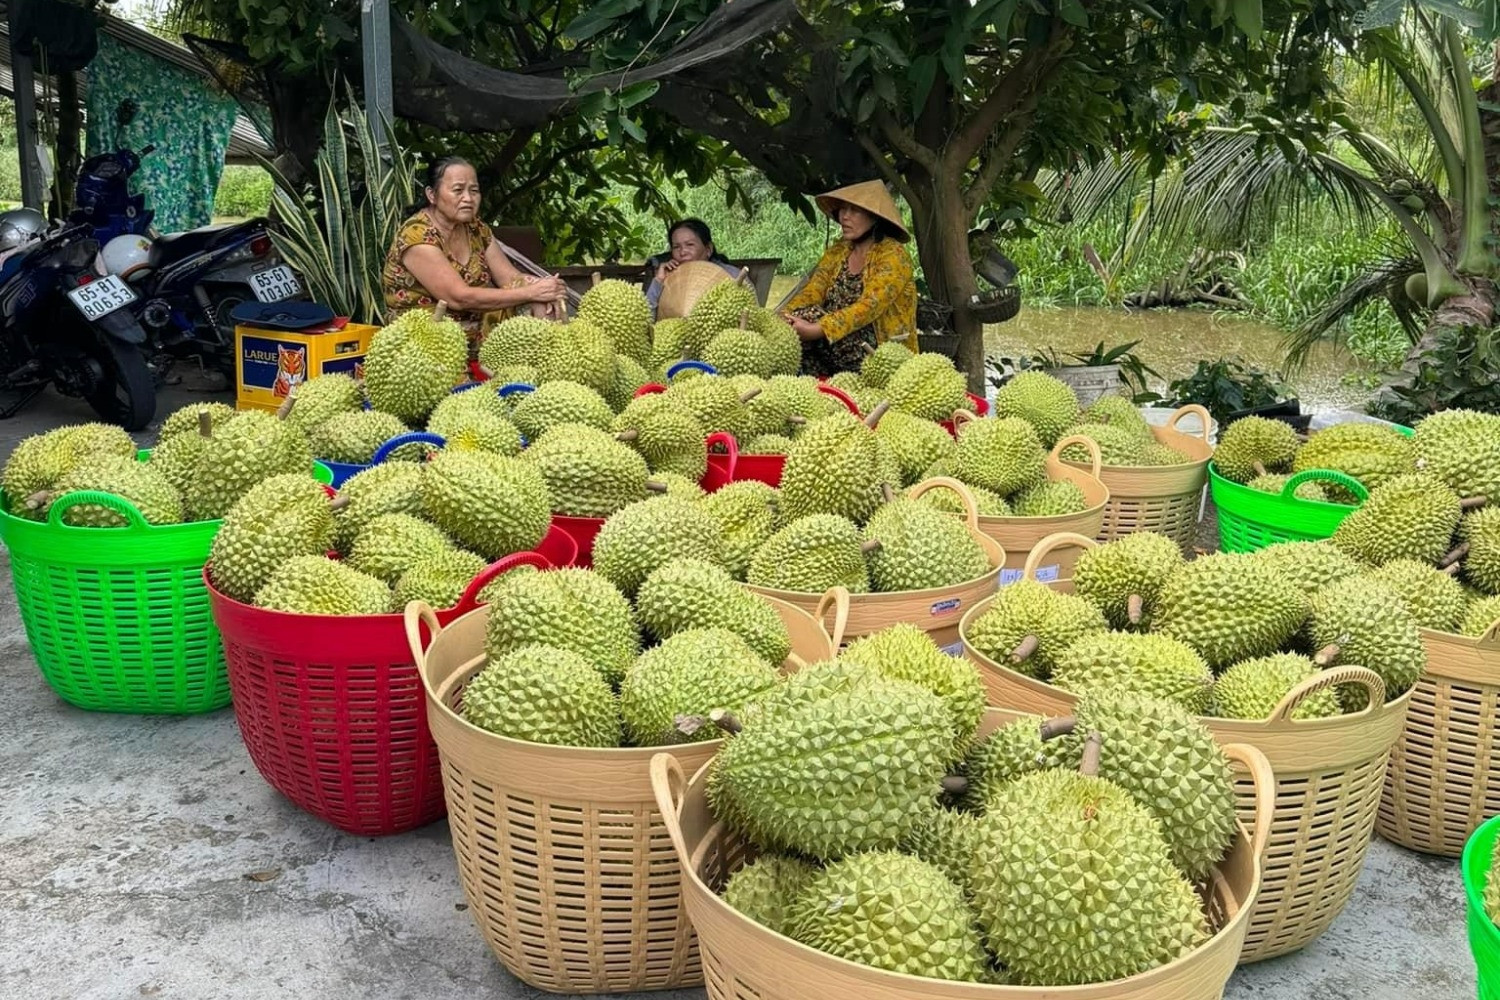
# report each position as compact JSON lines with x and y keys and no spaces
{"x":1484,"y":936}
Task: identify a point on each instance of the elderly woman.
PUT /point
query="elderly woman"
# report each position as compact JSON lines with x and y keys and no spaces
{"x":862,"y":293}
{"x":444,"y":252}
{"x":687,"y":240}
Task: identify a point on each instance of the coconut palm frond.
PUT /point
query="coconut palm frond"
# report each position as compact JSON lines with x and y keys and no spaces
{"x":1384,"y":278}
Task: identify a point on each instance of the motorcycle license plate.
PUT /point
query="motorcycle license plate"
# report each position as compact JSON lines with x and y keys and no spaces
{"x":101,"y":297}
{"x":275,"y":284}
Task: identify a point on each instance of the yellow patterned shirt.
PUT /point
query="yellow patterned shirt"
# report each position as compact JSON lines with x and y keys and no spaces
{"x":889,"y":302}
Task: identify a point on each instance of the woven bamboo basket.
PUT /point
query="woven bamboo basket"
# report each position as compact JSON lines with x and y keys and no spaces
{"x":936,"y":610}
{"x":1329,"y":775}
{"x":567,"y":869}
{"x":1444,"y":778}
{"x":1161,"y":498}
{"x":743,"y":960}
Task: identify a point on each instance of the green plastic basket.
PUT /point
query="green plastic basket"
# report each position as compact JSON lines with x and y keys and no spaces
{"x":1484,"y":937}
{"x":1253,"y":519}
{"x":118,"y":618}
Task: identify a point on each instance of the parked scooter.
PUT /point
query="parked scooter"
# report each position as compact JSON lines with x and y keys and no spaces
{"x":63,"y":323}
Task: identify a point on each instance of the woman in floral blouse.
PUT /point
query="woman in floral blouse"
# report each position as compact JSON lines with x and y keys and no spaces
{"x":862,"y":293}
{"x":443,"y":251}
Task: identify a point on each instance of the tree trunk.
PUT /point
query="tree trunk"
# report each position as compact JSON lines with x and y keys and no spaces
{"x":1478,"y":308}
{"x":69,"y":135}
{"x":942,"y":234}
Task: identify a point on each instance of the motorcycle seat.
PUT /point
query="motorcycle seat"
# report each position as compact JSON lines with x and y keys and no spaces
{"x":172,"y":247}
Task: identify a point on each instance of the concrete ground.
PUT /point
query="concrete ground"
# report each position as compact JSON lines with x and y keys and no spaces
{"x":145,"y":857}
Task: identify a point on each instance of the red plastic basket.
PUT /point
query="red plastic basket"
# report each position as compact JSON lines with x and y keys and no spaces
{"x":332,"y":711}
{"x":724,"y":467}
{"x":981,"y":409}
{"x":582,"y":531}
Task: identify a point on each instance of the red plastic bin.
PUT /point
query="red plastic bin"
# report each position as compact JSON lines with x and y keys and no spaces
{"x":332,"y":711}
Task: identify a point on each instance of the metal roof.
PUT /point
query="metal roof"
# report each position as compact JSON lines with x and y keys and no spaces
{"x":245,"y":140}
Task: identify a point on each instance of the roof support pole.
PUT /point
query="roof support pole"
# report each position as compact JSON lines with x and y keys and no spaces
{"x":375,"y":39}
{"x":23,"y":83}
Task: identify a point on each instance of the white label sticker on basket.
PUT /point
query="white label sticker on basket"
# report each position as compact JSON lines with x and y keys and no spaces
{"x":955,"y":649}
{"x":1048,"y":574}
{"x":947,"y":607}
{"x":1010,"y":576}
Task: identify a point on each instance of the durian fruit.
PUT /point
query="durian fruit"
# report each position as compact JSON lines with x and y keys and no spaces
{"x":986,"y":503}
{"x":764,"y":889}
{"x":1117,"y":445}
{"x":927,"y":386}
{"x":438,"y":578}
{"x":137,"y":482}
{"x":388,"y":488}
{"x":1254,"y":446}
{"x":718,"y":309}
{"x":1153,"y":665}
{"x":542,"y":694}
{"x":629,"y":378}
{"x":920,"y":548}
{"x":714,"y":401}
{"x":833,"y":467}
{"x":760,"y":413}
{"x":189,"y":419}
{"x":572,"y":609}
{"x":781,"y":341}
{"x":1433,"y":598}
{"x":276,"y":520}
{"x":1275,"y":483}
{"x":668,"y":436}
{"x":1410,"y":517}
{"x":413,"y":362}
{"x":1462,"y":448}
{"x":320,"y":398}
{"x":1053,"y":498}
{"x":802,"y":398}
{"x":1045,"y":402}
{"x":560,"y":402}
{"x":37,"y":464}
{"x":686,"y":594}
{"x":1310,"y":565}
{"x":1017,"y":748}
{"x":518,"y":342}
{"x":671,"y":484}
{"x":1028,"y":625}
{"x":354,"y":436}
{"x":579,"y":351}
{"x":1229,"y":607}
{"x":890,"y":911}
{"x":620,"y":310}
{"x":851,"y":771}
{"x":588,"y":473}
{"x":252,"y":447}
{"x":1479,"y":617}
{"x":914,"y":443}
{"x":903,"y":652}
{"x":1002,"y":455}
{"x":643,"y":536}
{"x":746,"y":513}
{"x":810,"y":555}
{"x":1362,"y":623}
{"x":316,"y":585}
{"x":1156,"y":453}
{"x":1060,"y":851}
{"x":1117,"y":411}
{"x":1480,"y":531}
{"x":767,"y":444}
{"x":812,"y":682}
{"x":668,"y":337}
{"x":849,"y":383}
{"x":177,"y":457}
{"x":393,"y":543}
{"x":488,"y":503}
{"x":947,"y":840}
{"x":475,"y":419}
{"x":876,"y":370}
{"x":1251,"y":689}
{"x":1371,"y":453}
{"x":689,"y":675}
{"x":738,"y":351}
{"x":1123,"y":578}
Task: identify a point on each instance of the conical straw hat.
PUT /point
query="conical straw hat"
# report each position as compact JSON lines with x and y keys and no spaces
{"x":870,"y":196}
{"x":683,"y":287}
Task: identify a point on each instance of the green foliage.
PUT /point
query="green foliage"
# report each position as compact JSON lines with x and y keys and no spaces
{"x":1226,"y":385}
{"x":244,"y":191}
{"x":1462,"y":370}
{"x":1134,"y":372}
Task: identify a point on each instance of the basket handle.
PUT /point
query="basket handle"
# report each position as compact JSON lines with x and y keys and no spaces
{"x":729,"y":444}
{"x":417,"y":614}
{"x":649,"y":389}
{"x":410,"y":437}
{"x":1044,"y":548}
{"x":840,"y":395}
{"x":681,"y":366}
{"x":1327,"y":679}
{"x":971,"y":505}
{"x":839,"y":598}
{"x":1491,"y":635}
{"x":1096,"y":458}
{"x":511,"y":388}
{"x":959,"y":418}
{"x":464,"y":387}
{"x":1329,"y":475}
{"x":469,"y":600}
{"x":669,"y":785}
{"x":1264,"y":780}
{"x":134,"y":520}
{"x":1182,"y":411}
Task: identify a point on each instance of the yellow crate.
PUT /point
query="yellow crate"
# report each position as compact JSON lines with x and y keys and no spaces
{"x":270,"y":362}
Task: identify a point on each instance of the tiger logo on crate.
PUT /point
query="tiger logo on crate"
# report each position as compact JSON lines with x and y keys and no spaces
{"x":291,"y":370}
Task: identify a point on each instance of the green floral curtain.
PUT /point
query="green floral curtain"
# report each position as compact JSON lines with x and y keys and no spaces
{"x":180,"y":112}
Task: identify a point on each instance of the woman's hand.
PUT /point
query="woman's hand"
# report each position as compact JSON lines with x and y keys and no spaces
{"x":666,"y":269}
{"x":806,"y":329}
{"x":547,"y":290}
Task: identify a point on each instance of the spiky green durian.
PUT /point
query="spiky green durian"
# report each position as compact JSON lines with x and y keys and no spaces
{"x":276,"y":520}
{"x":1154,"y":665}
{"x":746,"y":513}
{"x":1254,"y":446}
{"x":903,"y":652}
{"x":1432,"y":597}
{"x":1410,"y":517}
{"x":316,"y":585}
{"x":1135,"y":566}
{"x":1368,"y":626}
{"x":321,"y":398}
{"x":637,"y":539}
{"x":691,"y":674}
{"x":572,"y":609}
{"x":1371,"y":453}
{"x":920,"y":548}
{"x":1462,"y":448}
{"x":488,"y":503}
{"x":810,"y":555}
{"x":620,"y":310}
{"x":1028,"y":625}
{"x":1251,"y":689}
{"x":353,"y":436}
{"x":1310,"y":565}
{"x":927,"y":386}
{"x":1229,"y":607}
{"x":690,"y":593}
{"x":542,"y":694}
{"x":1046,"y":403}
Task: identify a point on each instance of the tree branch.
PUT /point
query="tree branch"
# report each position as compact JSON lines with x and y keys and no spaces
{"x":999,"y":104}
{"x":1003,"y":151}
{"x":544,"y":172}
{"x":905,"y":142}
{"x":891,"y":174}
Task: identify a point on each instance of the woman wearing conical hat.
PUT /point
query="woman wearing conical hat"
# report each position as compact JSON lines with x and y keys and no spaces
{"x":862,"y":293}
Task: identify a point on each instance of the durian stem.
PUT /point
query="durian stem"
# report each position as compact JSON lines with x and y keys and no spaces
{"x":740,"y":278}
{"x":745,"y":398}
{"x":873,"y":545}
{"x":1259,"y":467}
{"x":867,"y":348}
{"x":1092,"y":748}
{"x":205,"y":423}
{"x":1473,"y":503}
{"x":873,"y":420}
{"x":886,"y":493}
{"x":1454,"y":557}
{"x":1061,"y":726}
{"x":725,"y":720}
{"x":744,"y":319}
{"x":440,"y":310}
{"x":628,"y":435}
{"x":1328,"y":655}
{"x":1023,"y":651}
{"x":688,"y":725}
{"x":956,"y":784}
{"x":654,"y":487}
{"x":286,"y":407}
{"x":796,"y":419}
{"x":595,"y":278}
{"x":338,"y":503}
{"x":1452,"y":569}
{"x":1136,"y":609}
{"x":38,"y":499}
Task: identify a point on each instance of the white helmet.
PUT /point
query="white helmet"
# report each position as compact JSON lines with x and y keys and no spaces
{"x":20,"y":225}
{"x":125,"y":255}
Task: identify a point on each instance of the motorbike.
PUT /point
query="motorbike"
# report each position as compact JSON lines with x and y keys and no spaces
{"x":66,"y":324}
